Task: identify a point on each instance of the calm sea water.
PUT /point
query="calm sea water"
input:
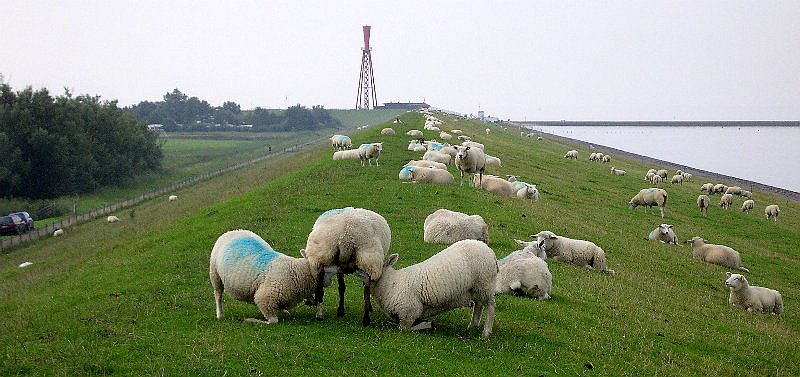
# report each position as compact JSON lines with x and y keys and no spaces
{"x":769,"y":155}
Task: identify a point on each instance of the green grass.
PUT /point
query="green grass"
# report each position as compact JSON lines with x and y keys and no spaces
{"x":356,"y":118}
{"x":133,"y":298}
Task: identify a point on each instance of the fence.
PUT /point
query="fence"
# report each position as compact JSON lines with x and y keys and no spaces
{"x":77,"y":219}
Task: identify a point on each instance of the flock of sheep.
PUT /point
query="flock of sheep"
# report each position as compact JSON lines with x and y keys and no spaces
{"x":464,"y":274}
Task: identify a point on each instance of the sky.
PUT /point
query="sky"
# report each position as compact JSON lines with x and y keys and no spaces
{"x":518,"y":60}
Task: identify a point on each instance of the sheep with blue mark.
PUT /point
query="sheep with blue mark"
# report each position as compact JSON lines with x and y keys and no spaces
{"x":248,"y":269}
{"x":341,"y":142}
{"x":369,"y":151}
{"x":426,"y":164}
{"x":421,"y":174}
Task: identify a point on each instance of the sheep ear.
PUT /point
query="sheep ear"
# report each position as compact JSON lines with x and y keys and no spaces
{"x":392,"y":260}
{"x":303,"y":253}
{"x":670,"y":226}
{"x":728,"y":274}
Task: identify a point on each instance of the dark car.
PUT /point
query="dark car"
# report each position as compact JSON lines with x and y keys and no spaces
{"x":26,"y":218}
{"x":12,"y":224}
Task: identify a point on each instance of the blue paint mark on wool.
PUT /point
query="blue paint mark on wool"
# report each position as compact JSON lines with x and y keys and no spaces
{"x":336,"y":211}
{"x":405,"y":173}
{"x":258,"y":252}
{"x":343,"y":138}
{"x":437,"y":146}
{"x":364,"y":146}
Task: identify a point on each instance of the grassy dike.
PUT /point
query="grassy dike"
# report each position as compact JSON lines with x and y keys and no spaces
{"x":134,"y":298}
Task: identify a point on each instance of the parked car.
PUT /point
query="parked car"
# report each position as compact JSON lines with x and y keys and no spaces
{"x":12,"y":224}
{"x":26,"y":218}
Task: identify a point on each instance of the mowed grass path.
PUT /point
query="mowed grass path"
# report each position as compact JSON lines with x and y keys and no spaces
{"x":133,"y":298}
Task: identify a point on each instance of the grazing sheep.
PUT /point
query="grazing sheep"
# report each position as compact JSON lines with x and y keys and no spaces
{"x":173,"y":198}
{"x":426,"y":164}
{"x":664,"y":233}
{"x":495,"y":185}
{"x":471,"y":161}
{"x":571,"y":154}
{"x":525,"y":277}
{"x":649,"y":176}
{"x":748,"y":205}
{"x":387,"y":131}
{"x":726,"y":201}
{"x":445,"y":135}
{"x":488,"y":130}
{"x":58,"y":232}
{"x":341,"y":142}
{"x":414,"y":133}
{"x":677,"y":179}
{"x":353,"y":239}
{"x":112,"y":219}
{"x":493,"y":161}
{"x":369,"y":151}
{"x":593,"y":156}
{"x":772,"y":211}
{"x":734,"y":190}
{"x":649,"y":197}
{"x":350,"y":154}
{"x":431,"y":175}
{"x":716,"y":254}
{"x":656,"y":179}
{"x":707,"y":188}
{"x":752,"y":298}
{"x":650,"y":171}
{"x":703,"y":202}
{"x":448,"y":227}
{"x":720,"y":188}
{"x":615,"y":171}
{"x":662,"y":173}
{"x":248,"y":269}
{"x":436,"y":156}
{"x":606,"y":158}
{"x":746,"y":194}
{"x":461,"y":275}
{"x":572,"y":251}
{"x":687,"y":176}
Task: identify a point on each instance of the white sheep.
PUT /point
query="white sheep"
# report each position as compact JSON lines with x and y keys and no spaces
{"x":387,"y":131}
{"x":664,"y":233}
{"x":355,"y":240}
{"x":572,"y":251}
{"x":341,"y":142}
{"x":58,"y":232}
{"x":703,"y":202}
{"x":726,"y":201}
{"x":525,"y":277}
{"x":369,"y":151}
{"x":746,"y":194}
{"x":707,"y":188}
{"x":112,"y":219}
{"x":350,"y":154}
{"x":426,"y":164}
{"x":456,"y":131}
{"x":748,"y":205}
{"x":464,"y":138}
{"x":717,"y":254}
{"x":656,"y":179}
{"x":752,"y":298}
{"x":677,"y":179}
{"x":772,"y":211}
{"x":248,"y":269}
{"x":606,"y":158}
{"x":488,"y":130}
{"x":720,"y":188}
{"x":436,"y":156}
{"x":539,"y":138}
{"x":414,"y":133}
{"x":571,"y":154}
{"x":461,"y":275}
{"x":445,"y":135}
{"x":527,"y":191}
{"x":471,"y":161}
{"x":473,"y":144}
{"x":531,"y":247}
{"x":173,"y":198}
{"x":662,"y":173}
{"x":734,"y":190}
{"x":447,"y":227}
{"x":615,"y":171}
{"x":649,"y":197}
{"x":430,"y":175}
{"x":649,"y":176}
{"x":495,"y":185}
{"x":593,"y":156}
{"x":687,"y":176}
{"x":493,"y":161}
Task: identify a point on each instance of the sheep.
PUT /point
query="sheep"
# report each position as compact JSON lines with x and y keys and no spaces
{"x":369,"y":151}
{"x":615,"y":171}
{"x":387,"y":131}
{"x":397,"y":121}
{"x":649,"y":176}
{"x":471,"y":161}
{"x":539,"y":138}
{"x":464,"y":138}
{"x":473,"y":145}
{"x":488,"y":130}
{"x":414,"y":133}
{"x":664,"y":233}
{"x":726,"y":201}
{"x":662,"y":173}
{"x":772,"y":211}
{"x":350,"y":154}
{"x":436,"y":156}
{"x":495,"y":185}
{"x":527,"y":191}
{"x":493,"y":161}
{"x":716,"y":254}
{"x":572,"y":251}
{"x":677,"y":179}
{"x":687,"y":176}
{"x":656,"y":179}
{"x":746,"y":194}
{"x":593,"y":156}
{"x":752,"y":298}
{"x":341,"y":142}
{"x":112,"y":219}
{"x":748,"y":205}
{"x":651,"y":171}
{"x":58,"y":233}
{"x":173,"y":198}
{"x":606,"y":158}
{"x":355,"y":240}
{"x":707,"y":188}
{"x":248,"y":269}
{"x":703,"y":202}
{"x":431,"y":175}
{"x":531,"y":247}
{"x":445,"y":135}
{"x":405,"y":173}
{"x":734,"y":190}
{"x":571,"y":154}
{"x":521,"y":133}
{"x":456,"y":131}
{"x":720,"y":188}
{"x":461,"y":275}
{"x":426,"y":164}
{"x":649,"y":197}
{"x":525,"y":277}
{"x":448,"y":227}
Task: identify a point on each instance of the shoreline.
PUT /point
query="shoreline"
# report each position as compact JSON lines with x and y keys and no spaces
{"x":744,"y":183}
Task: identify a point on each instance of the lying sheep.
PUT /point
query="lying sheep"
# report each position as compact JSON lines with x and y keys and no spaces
{"x":493,"y":161}
{"x":436,"y":156}
{"x":703,"y":202}
{"x":431,"y":175}
{"x":527,"y":191}
{"x":461,"y":275}
{"x":525,"y":277}
{"x":414,"y":133}
{"x":716,"y":254}
{"x":726,"y":201}
{"x":58,"y":232}
{"x":354,"y":240}
{"x":369,"y":151}
{"x":341,"y":142}
{"x":248,"y":269}
{"x":445,"y":135}
{"x":464,"y":138}
{"x":112,"y":219}
{"x":677,"y":179}
{"x":746,"y":194}
{"x":748,"y":205}
{"x":473,"y":144}
{"x":350,"y":154}
{"x":571,"y":154}
{"x":471,"y":161}
{"x":495,"y":185}
{"x":734,"y":190}
{"x":531,"y":247}
{"x":456,"y":131}
{"x":664,"y":233}
{"x":720,"y":188}
{"x":449,"y":150}
{"x":615,"y":171}
{"x":387,"y":131}
{"x":772,"y":211}
{"x":426,"y":164}
{"x":649,"y":197}
{"x":572,"y":251}
{"x":752,"y":298}
{"x":173,"y":198}
{"x":448,"y":227}
{"x":707,"y":188}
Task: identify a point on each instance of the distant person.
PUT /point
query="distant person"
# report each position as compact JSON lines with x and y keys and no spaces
{"x":269,"y":148}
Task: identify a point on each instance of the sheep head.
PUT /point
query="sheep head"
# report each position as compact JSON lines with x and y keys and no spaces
{"x":735,"y":281}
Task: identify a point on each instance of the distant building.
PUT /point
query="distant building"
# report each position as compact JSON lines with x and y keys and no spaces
{"x":404,"y":105}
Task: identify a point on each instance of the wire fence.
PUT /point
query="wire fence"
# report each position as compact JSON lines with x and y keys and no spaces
{"x":75,"y":219}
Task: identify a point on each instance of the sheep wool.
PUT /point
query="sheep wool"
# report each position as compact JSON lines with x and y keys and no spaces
{"x":58,"y":232}
{"x":432,"y":175}
{"x":471,"y":161}
{"x":752,"y":298}
{"x":525,"y":277}
{"x":369,"y":151}
{"x":649,"y":197}
{"x":717,"y":254}
{"x":341,"y":142}
{"x":572,"y":251}
{"x":426,"y":164}
{"x":448,"y":227}
{"x":664,"y":233}
{"x":748,"y":205}
{"x":772,"y":211}
{"x":173,"y":198}
{"x":703,"y":202}
{"x":495,"y":185}
{"x":461,"y":275}
{"x":387,"y":131}
{"x":726,"y":201}
{"x":112,"y":219}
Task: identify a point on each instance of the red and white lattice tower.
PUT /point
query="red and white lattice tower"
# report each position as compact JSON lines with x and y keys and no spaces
{"x":366,"y":80}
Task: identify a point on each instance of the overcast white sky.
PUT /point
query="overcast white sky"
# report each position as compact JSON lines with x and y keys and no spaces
{"x":586,"y":60}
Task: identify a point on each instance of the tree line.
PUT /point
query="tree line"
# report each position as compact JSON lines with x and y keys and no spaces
{"x":55,"y":146}
{"x":179,"y":112}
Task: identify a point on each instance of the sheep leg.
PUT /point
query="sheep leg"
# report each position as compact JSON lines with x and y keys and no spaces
{"x":477,"y":309}
{"x":319,"y":294}
{"x":216,"y":282}
{"x":367,"y":304}
{"x":662,"y":211}
{"x":489,"y":322}
{"x":342,"y":288}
